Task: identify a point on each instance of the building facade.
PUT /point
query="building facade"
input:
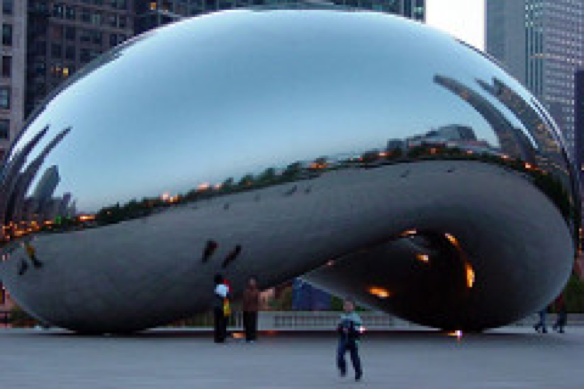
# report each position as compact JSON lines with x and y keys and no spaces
{"x":12,"y":83}
{"x":540,"y":42}
{"x":64,"y":35}
{"x":151,"y":14}
{"x":579,"y":104}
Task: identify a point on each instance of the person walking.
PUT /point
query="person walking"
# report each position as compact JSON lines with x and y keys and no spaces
{"x":251,"y":302}
{"x":349,"y":330}
{"x":540,"y":326}
{"x":562,"y":314}
{"x":220,"y":306}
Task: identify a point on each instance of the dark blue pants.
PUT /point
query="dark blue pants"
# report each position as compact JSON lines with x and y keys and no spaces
{"x":351,"y":346}
{"x":220,"y":325}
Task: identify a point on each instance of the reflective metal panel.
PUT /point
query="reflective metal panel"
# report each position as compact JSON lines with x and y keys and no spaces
{"x":381,"y":157}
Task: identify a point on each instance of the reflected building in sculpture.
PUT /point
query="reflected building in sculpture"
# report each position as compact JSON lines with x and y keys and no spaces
{"x":47,"y":185}
{"x":462,"y":213}
{"x":511,"y":140}
{"x":541,"y":43}
{"x":16,"y":206}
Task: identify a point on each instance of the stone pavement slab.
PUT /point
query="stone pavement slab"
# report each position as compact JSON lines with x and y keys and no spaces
{"x":169,"y":359}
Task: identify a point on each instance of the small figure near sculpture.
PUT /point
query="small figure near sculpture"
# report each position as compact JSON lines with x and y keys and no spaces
{"x":251,"y":302}
{"x":562,"y":314}
{"x":349,"y":330}
{"x":221,"y":309}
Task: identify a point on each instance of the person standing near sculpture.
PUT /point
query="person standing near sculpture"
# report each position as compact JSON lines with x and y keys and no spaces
{"x":349,"y":330}
{"x":540,"y":326}
{"x":251,"y":302}
{"x":561,"y":312}
{"x":220,"y":305}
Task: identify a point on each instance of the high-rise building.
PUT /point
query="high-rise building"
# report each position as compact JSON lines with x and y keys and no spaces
{"x":579,"y":109}
{"x":63,"y":35}
{"x":151,"y":14}
{"x":541,"y":43}
{"x":47,"y":184}
{"x":413,"y":9}
{"x":154,"y":13}
{"x":13,"y":20}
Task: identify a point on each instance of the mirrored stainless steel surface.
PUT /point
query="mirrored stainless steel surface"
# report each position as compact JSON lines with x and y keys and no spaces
{"x":372,"y":154}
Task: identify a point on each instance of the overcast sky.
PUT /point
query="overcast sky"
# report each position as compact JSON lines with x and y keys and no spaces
{"x":461,"y":18}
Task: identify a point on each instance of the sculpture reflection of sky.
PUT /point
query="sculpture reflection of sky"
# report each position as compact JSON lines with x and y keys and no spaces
{"x":219,"y":97}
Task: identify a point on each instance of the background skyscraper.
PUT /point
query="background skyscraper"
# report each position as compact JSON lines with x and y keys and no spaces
{"x":64,"y":35}
{"x":579,"y":103}
{"x":14,"y":21}
{"x":541,"y":42}
{"x":150,"y":14}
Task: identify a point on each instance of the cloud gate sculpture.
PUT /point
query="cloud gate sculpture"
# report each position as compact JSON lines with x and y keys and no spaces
{"x":372,"y":155}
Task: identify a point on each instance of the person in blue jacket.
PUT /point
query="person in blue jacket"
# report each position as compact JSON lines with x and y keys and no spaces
{"x":349,"y":330}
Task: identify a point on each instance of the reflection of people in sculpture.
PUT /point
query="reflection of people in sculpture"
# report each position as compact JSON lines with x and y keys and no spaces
{"x":210,"y":248}
{"x":251,"y":302}
{"x":31,"y":253}
{"x":231,"y":256}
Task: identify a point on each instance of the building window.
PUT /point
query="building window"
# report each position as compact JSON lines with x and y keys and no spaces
{"x":70,"y":53}
{"x":5,"y":97}
{"x":97,"y":37}
{"x":96,"y":19}
{"x":70,"y":33}
{"x":94,"y":54}
{"x":122,"y":22}
{"x":7,"y":7}
{"x":85,"y":36}
{"x":85,"y":16}
{"x":59,"y":71}
{"x":70,"y":13}
{"x":84,"y":55}
{"x":7,"y":34}
{"x":112,"y":21}
{"x":6,"y":66}
{"x":113,"y":40}
{"x":41,"y":48}
{"x":59,"y":11}
{"x":4,"y":129}
{"x":56,"y":50}
{"x":56,"y":32}
{"x":39,"y":68}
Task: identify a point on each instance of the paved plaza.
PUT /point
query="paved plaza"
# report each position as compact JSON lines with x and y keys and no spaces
{"x":173,"y":359}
